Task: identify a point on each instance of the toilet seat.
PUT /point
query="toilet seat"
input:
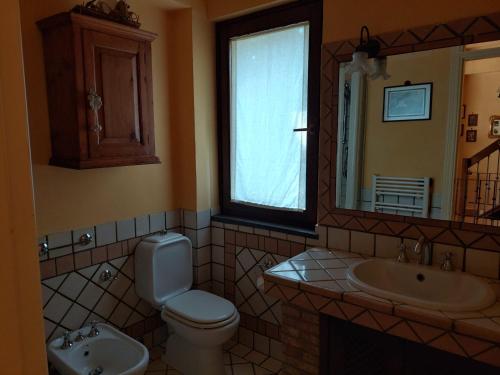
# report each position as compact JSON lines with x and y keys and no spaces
{"x":200,"y":309}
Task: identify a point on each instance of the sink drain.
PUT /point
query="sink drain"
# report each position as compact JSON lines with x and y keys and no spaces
{"x":420,"y":277}
{"x":97,"y":371}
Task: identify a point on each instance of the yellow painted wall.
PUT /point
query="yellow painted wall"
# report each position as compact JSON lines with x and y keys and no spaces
{"x":479,"y":94}
{"x":180,"y":69}
{"x":68,"y":199}
{"x":205,"y":104}
{"x":184,"y":101}
{"x":409,"y":148}
{"x":22,"y":349}
{"x":342,"y":19}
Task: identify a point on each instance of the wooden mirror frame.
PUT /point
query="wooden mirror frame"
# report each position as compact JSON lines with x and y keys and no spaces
{"x":455,"y":33}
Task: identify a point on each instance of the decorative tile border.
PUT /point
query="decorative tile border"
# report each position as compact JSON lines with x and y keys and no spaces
{"x":469,"y":30}
{"x":315,"y":281}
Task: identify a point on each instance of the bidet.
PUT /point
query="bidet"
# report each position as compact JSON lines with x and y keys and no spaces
{"x":111,"y":352}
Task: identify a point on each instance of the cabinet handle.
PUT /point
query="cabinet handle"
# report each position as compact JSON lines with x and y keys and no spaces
{"x":95,"y":103}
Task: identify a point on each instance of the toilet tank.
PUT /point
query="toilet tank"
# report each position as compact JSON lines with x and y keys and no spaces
{"x":163,"y":267}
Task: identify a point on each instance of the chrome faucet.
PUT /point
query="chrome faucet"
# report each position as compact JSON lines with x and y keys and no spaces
{"x":94,"y":331}
{"x":423,"y":250}
{"x":447,"y":264}
{"x":67,"y":343}
{"x":402,"y":257}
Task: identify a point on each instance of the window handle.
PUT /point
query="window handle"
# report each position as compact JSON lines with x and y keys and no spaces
{"x":310,"y":130}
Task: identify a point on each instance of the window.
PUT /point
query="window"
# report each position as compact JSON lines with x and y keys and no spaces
{"x":268,"y":77}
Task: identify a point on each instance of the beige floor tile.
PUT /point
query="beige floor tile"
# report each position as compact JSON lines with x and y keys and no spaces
{"x":240,"y":350}
{"x":255,"y":357}
{"x":243,"y":369}
{"x":272,"y":365}
{"x":262,"y":371}
{"x":238,"y":360}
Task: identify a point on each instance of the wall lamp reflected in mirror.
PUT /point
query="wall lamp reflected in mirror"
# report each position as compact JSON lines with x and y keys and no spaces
{"x":368,"y":48}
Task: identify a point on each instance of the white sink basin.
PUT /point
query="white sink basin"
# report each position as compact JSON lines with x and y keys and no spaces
{"x":112,"y":352}
{"x":421,"y":286}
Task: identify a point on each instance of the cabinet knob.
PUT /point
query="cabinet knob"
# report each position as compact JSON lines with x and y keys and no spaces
{"x":95,"y":103}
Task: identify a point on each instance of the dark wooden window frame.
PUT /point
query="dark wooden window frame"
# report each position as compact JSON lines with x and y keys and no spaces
{"x":296,"y":12}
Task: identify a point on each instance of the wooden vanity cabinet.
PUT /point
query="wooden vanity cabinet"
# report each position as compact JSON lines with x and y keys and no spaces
{"x":92,"y":61}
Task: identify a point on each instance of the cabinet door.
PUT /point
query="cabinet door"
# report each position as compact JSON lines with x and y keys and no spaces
{"x":118,"y":71}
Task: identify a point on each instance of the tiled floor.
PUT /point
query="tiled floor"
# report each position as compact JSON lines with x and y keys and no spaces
{"x":238,"y":360}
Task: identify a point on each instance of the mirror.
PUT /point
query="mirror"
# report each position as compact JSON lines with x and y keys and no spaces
{"x":424,"y":142}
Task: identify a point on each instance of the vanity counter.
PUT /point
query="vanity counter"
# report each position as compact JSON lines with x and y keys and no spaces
{"x":315,"y":280}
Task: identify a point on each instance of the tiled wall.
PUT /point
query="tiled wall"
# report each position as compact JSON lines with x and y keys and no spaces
{"x":227,"y":260}
{"x":73,"y":293}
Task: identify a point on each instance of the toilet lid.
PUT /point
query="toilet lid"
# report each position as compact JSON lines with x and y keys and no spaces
{"x":199,"y":306}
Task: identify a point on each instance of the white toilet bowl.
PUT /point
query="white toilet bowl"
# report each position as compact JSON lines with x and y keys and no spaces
{"x":197,"y":334}
{"x":199,"y":322}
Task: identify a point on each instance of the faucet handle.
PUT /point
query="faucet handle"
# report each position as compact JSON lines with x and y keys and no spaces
{"x":402,"y":257}
{"x":79,"y":337}
{"x":447,"y":264}
{"x":67,"y":343}
{"x":94,"y":331}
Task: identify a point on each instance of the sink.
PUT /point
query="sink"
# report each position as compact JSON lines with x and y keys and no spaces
{"x":110,"y":353}
{"x":421,"y":286}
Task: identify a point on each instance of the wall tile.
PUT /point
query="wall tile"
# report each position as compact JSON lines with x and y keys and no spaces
{"x":387,"y":246}
{"x":57,"y":307}
{"x":204,"y":273}
{"x":125,"y":229}
{"x":65,"y":264}
{"x":76,"y":239}
{"x":48,"y":269}
{"x":321,"y":230}
{"x":59,"y":239}
{"x":482,"y":263}
{"x":218,"y":272}
{"x":218,"y":254}
{"x":142,"y":225}
{"x":157,"y":222}
{"x":59,"y":252}
{"x":262,"y":232}
{"x":172,"y":219}
{"x":278,"y":235}
{"x":105,"y":233}
{"x":203,"y":255}
{"x":83,"y":259}
{"x":73,"y":285}
{"x":218,"y":236}
{"x":99,"y":255}
{"x":192,"y":235}
{"x":363,"y":243}
{"x":75,"y":317}
{"x":338,"y":239}
{"x":203,"y":219}
{"x":245,"y":229}
{"x":203,"y":237}
{"x":189,"y":219}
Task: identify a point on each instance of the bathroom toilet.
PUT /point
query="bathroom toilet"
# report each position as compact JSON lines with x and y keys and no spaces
{"x":199,"y":322}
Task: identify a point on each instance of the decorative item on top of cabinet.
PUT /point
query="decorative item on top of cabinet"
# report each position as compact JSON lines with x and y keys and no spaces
{"x":99,"y":89}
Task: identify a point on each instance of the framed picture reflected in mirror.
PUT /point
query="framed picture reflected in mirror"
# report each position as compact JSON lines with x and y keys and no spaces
{"x":494,"y":127}
{"x":410,"y":102}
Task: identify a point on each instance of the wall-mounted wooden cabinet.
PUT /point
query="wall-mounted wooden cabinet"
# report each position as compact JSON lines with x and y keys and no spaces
{"x":99,"y":90}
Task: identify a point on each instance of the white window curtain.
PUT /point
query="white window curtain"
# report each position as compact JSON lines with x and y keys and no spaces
{"x":268,"y":101}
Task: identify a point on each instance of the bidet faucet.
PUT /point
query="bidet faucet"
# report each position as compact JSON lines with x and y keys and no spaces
{"x":67,"y":343}
{"x":94,"y":331}
{"x":423,"y":250}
